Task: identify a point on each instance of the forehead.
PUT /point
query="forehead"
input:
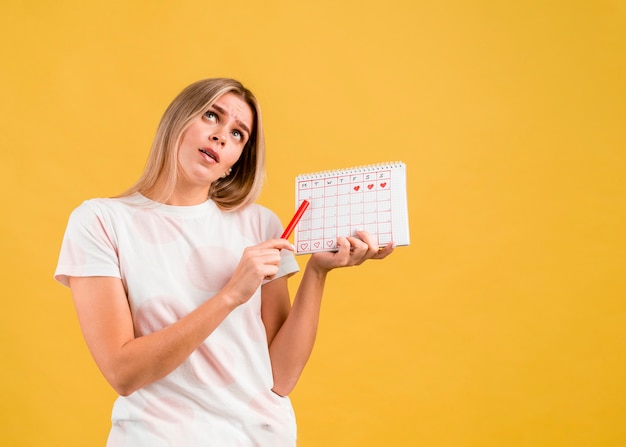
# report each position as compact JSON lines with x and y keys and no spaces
{"x":235,"y":107}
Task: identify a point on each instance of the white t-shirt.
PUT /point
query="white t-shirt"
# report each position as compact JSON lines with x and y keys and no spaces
{"x":171,"y":259}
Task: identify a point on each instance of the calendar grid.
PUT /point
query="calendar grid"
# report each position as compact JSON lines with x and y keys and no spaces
{"x":346,"y":201}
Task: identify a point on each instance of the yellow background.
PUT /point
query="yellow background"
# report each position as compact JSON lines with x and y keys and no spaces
{"x":502,"y":324}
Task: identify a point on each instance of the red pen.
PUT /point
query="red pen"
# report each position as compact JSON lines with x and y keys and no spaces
{"x":296,"y":218}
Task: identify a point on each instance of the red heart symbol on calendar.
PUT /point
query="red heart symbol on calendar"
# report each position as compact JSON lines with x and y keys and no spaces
{"x":370,"y":186}
{"x":329,"y":244}
{"x":383,"y":184}
{"x":304,"y":246}
{"x":317,"y":245}
{"x":357,"y":187}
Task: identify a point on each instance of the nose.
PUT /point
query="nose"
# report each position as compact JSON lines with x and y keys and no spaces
{"x":218,"y":136}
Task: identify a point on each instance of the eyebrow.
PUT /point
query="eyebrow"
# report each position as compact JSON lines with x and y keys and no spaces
{"x":239,"y":122}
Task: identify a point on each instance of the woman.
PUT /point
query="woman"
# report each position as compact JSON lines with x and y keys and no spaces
{"x":180,"y":284}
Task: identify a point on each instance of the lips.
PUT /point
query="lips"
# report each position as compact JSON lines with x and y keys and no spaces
{"x":210,"y":154}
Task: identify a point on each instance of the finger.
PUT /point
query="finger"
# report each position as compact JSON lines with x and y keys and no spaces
{"x":279,"y":244}
{"x":384,"y":251}
{"x":266,"y":265}
{"x":257,"y":257}
{"x":359,"y":250}
{"x":343,"y":250}
{"x":357,"y":245}
{"x":275,"y":244}
{"x":367,"y":238}
{"x":270,"y":271}
{"x":371,"y":242}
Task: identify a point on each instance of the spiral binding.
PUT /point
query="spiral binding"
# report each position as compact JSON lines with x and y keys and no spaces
{"x":351,"y":170}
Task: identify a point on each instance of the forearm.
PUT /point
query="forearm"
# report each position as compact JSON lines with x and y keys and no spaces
{"x":293,"y":344}
{"x":129,"y":362}
{"x":146,"y":359}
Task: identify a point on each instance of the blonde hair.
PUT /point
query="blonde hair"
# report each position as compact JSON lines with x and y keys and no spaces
{"x":239,"y":189}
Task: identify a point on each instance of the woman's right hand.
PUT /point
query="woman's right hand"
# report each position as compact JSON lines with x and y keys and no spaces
{"x":258,"y":262}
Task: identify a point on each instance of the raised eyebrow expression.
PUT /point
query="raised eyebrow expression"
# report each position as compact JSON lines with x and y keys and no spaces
{"x":240,"y":123}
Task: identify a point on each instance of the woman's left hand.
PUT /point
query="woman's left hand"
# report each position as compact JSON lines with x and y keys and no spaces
{"x":352,"y":251}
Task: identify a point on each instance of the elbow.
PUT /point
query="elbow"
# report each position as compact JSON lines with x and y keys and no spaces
{"x":126,"y":377}
{"x":282,"y":392}
{"x":123,"y":391}
{"x":284,"y":387}
{"x":124,"y":386}
{"x":286,"y":377}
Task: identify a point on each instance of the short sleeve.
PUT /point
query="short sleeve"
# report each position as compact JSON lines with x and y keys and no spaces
{"x":288,"y":263}
{"x":88,"y":247}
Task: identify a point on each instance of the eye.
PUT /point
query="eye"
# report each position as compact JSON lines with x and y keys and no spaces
{"x":238,"y":135}
{"x":211,"y":116}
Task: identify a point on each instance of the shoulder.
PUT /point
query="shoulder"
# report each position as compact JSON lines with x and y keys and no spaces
{"x":258,"y":210}
{"x":104,"y":206}
{"x":264,"y":214}
{"x":102,"y":211}
{"x":261,"y":220}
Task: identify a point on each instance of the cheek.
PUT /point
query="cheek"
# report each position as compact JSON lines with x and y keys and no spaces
{"x":187,"y":139}
{"x":236,"y":153}
{"x":186,"y":148}
{"x":190,"y":136}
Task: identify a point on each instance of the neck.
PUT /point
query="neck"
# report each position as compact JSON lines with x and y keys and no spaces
{"x":180,"y":196}
{"x":187,"y":199}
